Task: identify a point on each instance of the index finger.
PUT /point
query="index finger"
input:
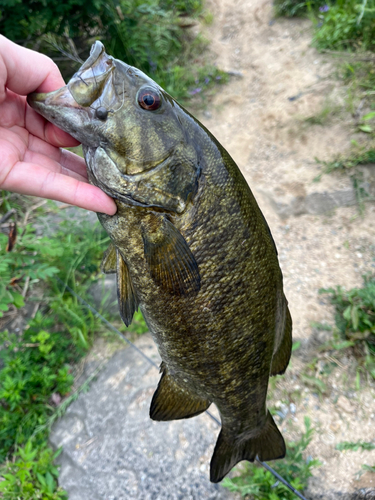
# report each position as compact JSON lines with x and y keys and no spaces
{"x":23,"y":70}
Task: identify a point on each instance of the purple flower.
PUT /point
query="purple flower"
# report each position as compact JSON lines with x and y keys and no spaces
{"x":206,"y":80}
{"x":324,"y":8}
{"x":195,"y":91}
{"x":218,"y":78}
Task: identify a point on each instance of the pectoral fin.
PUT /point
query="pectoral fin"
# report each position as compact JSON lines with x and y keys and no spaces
{"x":172,"y":402}
{"x":127,"y":299}
{"x":109,"y":262}
{"x":169,"y":258}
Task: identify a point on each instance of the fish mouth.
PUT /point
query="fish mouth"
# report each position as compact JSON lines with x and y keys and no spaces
{"x":61,"y":97}
{"x":82,"y":90}
{"x":96,"y":51}
{"x":69,"y":107}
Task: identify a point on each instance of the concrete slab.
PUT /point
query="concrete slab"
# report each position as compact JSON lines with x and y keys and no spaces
{"x":113,"y":451}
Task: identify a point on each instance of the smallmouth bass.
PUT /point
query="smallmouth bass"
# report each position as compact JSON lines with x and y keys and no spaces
{"x":190,"y":247}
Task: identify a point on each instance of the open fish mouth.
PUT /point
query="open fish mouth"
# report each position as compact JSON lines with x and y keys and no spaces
{"x":84,"y":88}
{"x":87,"y":85}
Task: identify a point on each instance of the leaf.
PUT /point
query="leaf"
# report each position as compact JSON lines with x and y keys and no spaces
{"x":296,"y":345}
{"x":342,"y":345}
{"x":365,"y":128}
{"x":41,"y":479}
{"x":369,"y":468}
{"x":354,"y":317}
{"x":315,"y":382}
{"x":18,"y":300}
{"x":369,"y":116}
{"x":50,"y":482}
{"x":358,"y":381}
{"x":347,"y":313}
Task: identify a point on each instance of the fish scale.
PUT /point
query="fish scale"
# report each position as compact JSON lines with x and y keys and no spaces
{"x":190,"y":247}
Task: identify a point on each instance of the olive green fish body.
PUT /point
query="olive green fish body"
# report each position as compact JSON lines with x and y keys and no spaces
{"x":191,"y":248}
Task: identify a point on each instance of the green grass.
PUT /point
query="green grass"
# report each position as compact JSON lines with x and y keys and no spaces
{"x":359,"y":445}
{"x":31,"y":475}
{"x":368,"y":468}
{"x":339,"y":25}
{"x":324,"y":115}
{"x":355,"y":320}
{"x":345,"y":162}
{"x":346,"y":25}
{"x":38,"y":363}
{"x":293,"y":8}
{"x":358,"y":74}
{"x":259,"y":484}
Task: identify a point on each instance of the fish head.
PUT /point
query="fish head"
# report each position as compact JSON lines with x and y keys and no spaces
{"x":136,"y":146}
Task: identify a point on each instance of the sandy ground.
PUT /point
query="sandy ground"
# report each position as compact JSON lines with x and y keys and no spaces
{"x":259,"y":119}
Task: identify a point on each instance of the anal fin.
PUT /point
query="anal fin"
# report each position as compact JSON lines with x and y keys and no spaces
{"x":172,"y":402}
{"x":268,"y":444}
{"x":281,"y":357}
{"x":127,"y":299}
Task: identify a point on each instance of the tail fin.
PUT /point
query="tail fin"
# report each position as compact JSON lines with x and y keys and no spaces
{"x":267,"y":445}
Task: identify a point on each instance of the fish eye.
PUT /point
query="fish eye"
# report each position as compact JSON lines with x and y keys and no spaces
{"x":149,"y":99}
{"x":101,"y":113}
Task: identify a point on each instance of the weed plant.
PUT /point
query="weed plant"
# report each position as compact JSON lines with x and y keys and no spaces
{"x":368,"y":468}
{"x":293,"y":8}
{"x":259,"y":484}
{"x":355,"y":319}
{"x":346,"y":25}
{"x":37,"y":364}
{"x":152,"y":35}
{"x":359,"y":445}
{"x":359,"y":156}
{"x":339,"y":24}
{"x":32,"y":475}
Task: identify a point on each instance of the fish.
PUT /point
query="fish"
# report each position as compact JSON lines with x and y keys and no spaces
{"x":190,"y":247}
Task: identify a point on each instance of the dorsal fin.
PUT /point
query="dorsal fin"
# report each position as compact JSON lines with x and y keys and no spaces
{"x":127,"y":299}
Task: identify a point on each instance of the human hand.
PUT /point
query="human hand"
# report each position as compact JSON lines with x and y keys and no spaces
{"x":31,"y":161}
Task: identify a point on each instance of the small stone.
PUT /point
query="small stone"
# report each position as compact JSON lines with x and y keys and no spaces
{"x":55,"y":398}
{"x":344,"y":404}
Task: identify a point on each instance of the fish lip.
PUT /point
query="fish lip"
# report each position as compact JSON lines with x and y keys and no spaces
{"x":38,"y":100}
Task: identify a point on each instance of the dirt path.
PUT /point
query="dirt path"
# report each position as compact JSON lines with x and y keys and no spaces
{"x":259,"y":119}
